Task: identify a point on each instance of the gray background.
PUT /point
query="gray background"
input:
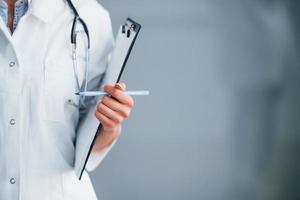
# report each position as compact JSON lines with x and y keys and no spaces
{"x":222,"y":120}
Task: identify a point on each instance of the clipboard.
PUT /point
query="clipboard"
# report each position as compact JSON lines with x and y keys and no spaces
{"x":125,"y":40}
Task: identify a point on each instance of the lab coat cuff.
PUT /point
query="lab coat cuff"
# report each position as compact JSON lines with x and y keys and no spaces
{"x":97,"y":157}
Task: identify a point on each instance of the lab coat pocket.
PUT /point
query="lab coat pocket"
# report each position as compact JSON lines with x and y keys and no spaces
{"x":61,"y":103}
{"x":53,"y":108}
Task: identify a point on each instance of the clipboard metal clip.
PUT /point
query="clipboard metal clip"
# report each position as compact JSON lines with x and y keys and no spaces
{"x":129,"y":26}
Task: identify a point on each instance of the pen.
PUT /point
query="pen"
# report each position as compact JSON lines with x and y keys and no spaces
{"x":100,"y":93}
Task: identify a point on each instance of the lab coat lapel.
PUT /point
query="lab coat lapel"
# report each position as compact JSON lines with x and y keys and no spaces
{"x":32,"y":31}
{"x":5,"y":30}
{"x":46,"y":10}
{"x":30,"y":37}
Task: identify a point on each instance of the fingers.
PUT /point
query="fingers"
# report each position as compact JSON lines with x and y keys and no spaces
{"x":112,"y":110}
{"x":117,"y":91}
{"x":116,"y":106}
{"x":110,"y":114}
{"x":105,"y":121}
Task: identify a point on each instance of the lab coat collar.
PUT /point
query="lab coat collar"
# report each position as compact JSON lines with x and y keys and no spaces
{"x":46,"y":10}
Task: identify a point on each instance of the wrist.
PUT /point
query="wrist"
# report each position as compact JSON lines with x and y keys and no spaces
{"x":106,"y":136}
{"x":111,"y":130}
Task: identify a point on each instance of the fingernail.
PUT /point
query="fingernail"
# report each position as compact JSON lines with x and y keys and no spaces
{"x":123,"y":85}
{"x":118,"y":86}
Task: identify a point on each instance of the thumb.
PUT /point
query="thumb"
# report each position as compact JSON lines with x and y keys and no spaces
{"x":120,"y":86}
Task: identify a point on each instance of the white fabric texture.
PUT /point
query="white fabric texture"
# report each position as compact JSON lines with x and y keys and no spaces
{"x":38,"y":118}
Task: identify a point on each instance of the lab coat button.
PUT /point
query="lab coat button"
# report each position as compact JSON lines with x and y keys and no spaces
{"x":12,"y":122}
{"x":11,"y":64}
{"x":12,"y":181}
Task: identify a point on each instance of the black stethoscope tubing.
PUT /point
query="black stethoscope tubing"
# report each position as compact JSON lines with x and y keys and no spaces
{"x":76,"y":19}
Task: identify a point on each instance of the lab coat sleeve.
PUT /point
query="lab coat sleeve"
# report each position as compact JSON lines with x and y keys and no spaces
{"x":98,"y":61}
{"x":96,"y":157}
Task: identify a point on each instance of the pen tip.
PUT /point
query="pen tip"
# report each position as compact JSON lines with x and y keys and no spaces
{"x":76,"y":93}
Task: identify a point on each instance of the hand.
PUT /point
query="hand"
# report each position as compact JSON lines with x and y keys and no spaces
{"x":112,"y":110}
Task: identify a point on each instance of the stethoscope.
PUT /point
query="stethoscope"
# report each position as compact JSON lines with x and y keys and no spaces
{"x":74,"y":33}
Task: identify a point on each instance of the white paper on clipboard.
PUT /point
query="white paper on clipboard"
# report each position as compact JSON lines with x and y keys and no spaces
{"x":84,"y":141}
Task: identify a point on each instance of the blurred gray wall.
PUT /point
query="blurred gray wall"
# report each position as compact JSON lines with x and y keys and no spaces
{"x":222,"y":120}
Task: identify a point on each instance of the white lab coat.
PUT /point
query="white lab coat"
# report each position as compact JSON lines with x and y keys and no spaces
{"x":38,"y":119}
